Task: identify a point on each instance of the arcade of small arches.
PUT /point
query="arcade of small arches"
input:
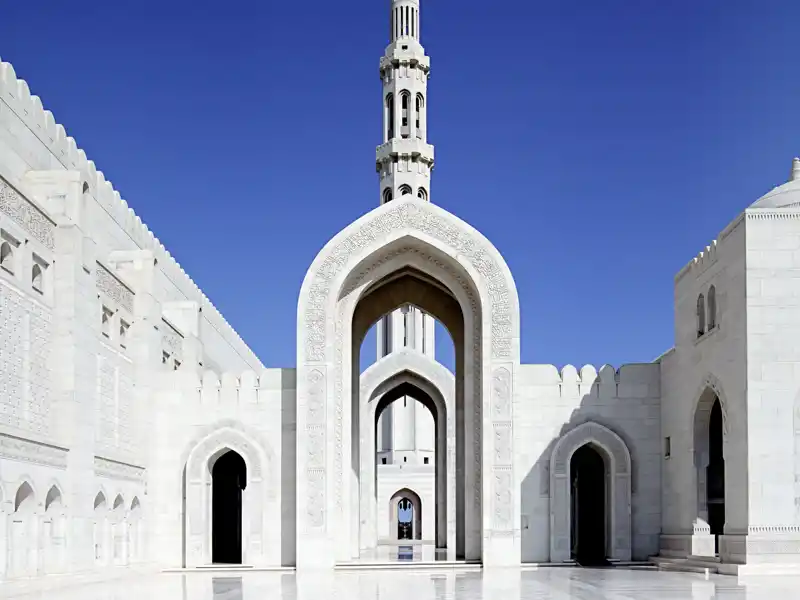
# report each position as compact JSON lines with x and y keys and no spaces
{"x":36,"y":537}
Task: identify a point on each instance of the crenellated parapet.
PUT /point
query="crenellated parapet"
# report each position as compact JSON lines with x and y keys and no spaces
{"x":629,"y":381}
{"x":28,"y":108}
{"x":243,"y":388}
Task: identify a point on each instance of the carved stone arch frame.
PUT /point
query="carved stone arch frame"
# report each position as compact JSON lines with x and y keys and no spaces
{"x":416,"y":502}
{"x":324,"y":320}
{"x":198,"y":481}
{"x":700,"y":417}
{"x":618,"y":481}
{"x":433,"y":379}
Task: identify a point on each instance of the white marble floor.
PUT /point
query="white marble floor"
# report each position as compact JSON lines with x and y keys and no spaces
{"x":544,"y":584}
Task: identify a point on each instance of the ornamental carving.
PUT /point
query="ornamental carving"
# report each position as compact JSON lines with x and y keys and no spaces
{"x":501,"y":394}
{"x":417,"y":217}
{"x":113,"y":469}
{"x":14,"y":448}
{"x":111,"y":286}
{"x":25,"y":366}
{"x":25,"y":214}
{"x":315,"y":448}
{"x":172,"y":340}
{"x":233,"y":440}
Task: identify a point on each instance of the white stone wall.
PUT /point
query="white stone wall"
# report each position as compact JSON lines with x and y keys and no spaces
{"x":253,"y":414}
{"x":773,"y":385}
{"x":548,"y":404}
{"x":716,"y":360}
{"x":80,"y":404}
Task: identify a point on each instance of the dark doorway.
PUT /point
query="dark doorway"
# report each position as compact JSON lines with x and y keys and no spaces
{"x":715,"y":475}
{"x":405,"y":518}
{"x":588,"y":510}
{"x":229,"y":478}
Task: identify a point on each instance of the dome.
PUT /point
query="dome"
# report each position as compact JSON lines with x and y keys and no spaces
{"x":783,"y":196}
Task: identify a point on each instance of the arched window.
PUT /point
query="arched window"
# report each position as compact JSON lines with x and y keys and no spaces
{"x":712,"y":308}
{"x":405,"y":189}
{"x":387,"y":195}
{"x":701,"y":315}
{"x":404,"y":106}
{"x":420,"y":106}
{"x":389,"y":116}
{"x":422,"y":194}
{"x":37,"y":278}
{"x":7,"y":257}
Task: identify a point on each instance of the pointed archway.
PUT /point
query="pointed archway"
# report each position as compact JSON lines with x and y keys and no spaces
{"x":420,"y":376}
{"x":406,"y":252}
{"x":615,"y":462}
{"x":229,"y":516}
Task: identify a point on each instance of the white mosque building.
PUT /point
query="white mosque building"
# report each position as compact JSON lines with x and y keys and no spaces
{"x":138,"y":428}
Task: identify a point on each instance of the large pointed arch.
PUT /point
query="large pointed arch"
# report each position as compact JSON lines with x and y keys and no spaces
{"x":405,"y":234}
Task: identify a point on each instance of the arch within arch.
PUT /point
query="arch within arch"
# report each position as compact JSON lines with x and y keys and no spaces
{"x":432,"y":378}
{"x":406,"y":232}
{"x":198,"y":521}
{"x":618,"y":459}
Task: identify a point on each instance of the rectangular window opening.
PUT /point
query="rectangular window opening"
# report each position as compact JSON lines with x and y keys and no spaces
{"x":667,"y":447}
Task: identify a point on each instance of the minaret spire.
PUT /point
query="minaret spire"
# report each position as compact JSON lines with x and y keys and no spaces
{"x":404,"y":160}
{"x":404,"y":163}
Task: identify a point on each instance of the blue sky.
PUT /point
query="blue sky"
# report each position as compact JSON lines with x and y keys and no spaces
{"x":599,"y":145}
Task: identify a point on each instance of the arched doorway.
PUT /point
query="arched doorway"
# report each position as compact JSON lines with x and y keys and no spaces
{"x":588,"y":510}
{"x":407,"y":252}
{"x":228,"y":480}
{"x":590,"y":489}
{"x":709,"y":458}
{"x":249,"y":485}
{"x":405,"y":510}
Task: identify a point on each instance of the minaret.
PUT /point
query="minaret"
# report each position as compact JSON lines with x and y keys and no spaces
{"x":404,"y":162}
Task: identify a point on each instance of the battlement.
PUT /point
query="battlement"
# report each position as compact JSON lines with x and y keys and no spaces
{"x":246,"y":387}
{"x":631,"y":380}
{"x":16,"y":94}
{"x":702,"y":261}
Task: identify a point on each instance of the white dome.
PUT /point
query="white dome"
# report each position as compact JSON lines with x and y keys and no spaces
{"x":785,"y":195}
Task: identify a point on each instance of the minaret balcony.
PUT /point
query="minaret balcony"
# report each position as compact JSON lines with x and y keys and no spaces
{"x":405,"y":52}
{"x":404,"y":147}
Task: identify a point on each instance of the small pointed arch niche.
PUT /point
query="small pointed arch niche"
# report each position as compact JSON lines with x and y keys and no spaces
{"x":712,"y":307}
{"x":25,"y":498}
{"x":701,"y":315}
{"x":7,"y":257}
{"x":100,"y":502}
{"x":54,"y":499}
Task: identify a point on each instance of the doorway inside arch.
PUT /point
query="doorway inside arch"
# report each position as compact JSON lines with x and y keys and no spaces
{"x":715,"y":475}
{"x":228,"y":480}
{"x":588,"y":513}
{"x":405,"y":519}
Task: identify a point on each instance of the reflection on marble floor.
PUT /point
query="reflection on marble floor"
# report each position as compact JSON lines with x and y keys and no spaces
{"x":552,"y":584}
{"x":410,"y":552}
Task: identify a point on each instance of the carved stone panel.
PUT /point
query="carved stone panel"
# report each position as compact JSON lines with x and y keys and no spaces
{"x":26,"y":215}
{"x":111,"y":286}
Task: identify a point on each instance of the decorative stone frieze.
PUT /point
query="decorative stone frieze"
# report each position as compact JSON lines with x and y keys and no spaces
{"x":27,"y":215}
{"x":112,"y":286}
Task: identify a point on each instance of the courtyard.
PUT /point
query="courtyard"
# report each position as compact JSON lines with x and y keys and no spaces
{"x":498,"y":584}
